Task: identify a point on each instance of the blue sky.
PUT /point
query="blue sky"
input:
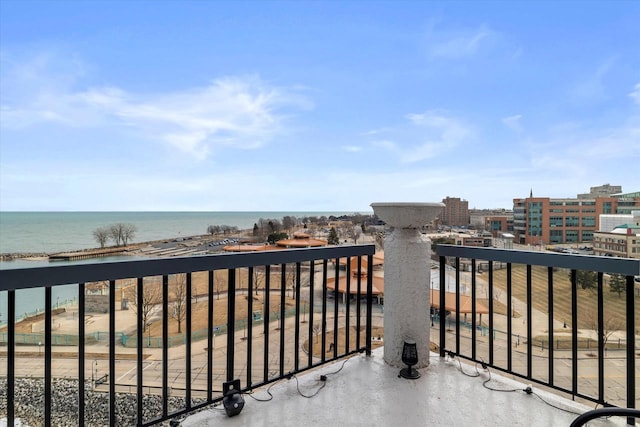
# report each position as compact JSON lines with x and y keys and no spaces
{"x":307,"y":106}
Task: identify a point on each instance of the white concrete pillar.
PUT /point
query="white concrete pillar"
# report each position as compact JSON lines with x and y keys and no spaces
{"x":407,"y":277}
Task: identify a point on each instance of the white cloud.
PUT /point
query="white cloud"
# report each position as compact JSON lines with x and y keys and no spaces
{"x":384,"y":144}
{"x":375,"y":131}
{"x":591,"y":87}
{"x":463,"y":45}
{"x":513,"y":122}
{"x":238,"y":111}
{"x":352,"y":148}
{"x":439,"y":131}
{"x":635,"y":94}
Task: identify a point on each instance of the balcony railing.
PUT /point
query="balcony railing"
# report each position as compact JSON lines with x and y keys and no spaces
{"x":259,"y":349}
{"x":549,"y":288}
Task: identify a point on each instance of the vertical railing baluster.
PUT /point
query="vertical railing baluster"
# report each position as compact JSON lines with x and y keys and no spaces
{"x":140,"y":329}
{"x":347,"y":313}
{"x":323,"y":345}
{"x":81,"y":353}
{"x":369,"y":303}
{"x":11,"y":356}
{"x":631,"y":347}
{"x":249,"y":325}
{"x":490,"y":296}
{"x":267,"y":319}
{"x":231,"y":322}
{"x":296,"y":329}
{"x":112,"y":352}
{"x":550,"y":325}
{"x":47,"y":355}
{"x":574,"y":332}
{"x":358,"y":284}
{"x":509,"y":320}
{"x":600,"y":331}
{"x":283,"y":291}
{"x":442,"y":311}
{"x":335,"y":307}
{"x":165,"y":345}
{"x":187,"y":354}
{"x":457,"y":305}
{"x":210,"y":337}
{"x":473,"y":309}
{"x":529,"y":323}
{"x":311,"y":310}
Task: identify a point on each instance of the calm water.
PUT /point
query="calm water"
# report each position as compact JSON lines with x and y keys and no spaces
{"x":50,"y":232}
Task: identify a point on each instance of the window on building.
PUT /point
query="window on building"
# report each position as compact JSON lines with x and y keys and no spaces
{"x":588,"y":221}
{"x":572,"y":221}
{"x":555,"y":221}
{"x":571,"y":236}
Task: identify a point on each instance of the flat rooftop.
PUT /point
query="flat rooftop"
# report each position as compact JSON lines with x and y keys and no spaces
{"x":365,"y":391}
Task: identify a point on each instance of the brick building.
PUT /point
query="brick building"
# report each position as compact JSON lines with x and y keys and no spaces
{"x":542,"y":220}
{"x":455,"y":212}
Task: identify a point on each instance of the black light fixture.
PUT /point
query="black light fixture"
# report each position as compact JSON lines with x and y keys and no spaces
{"x":232,"y":401}
{"x":410,"y":357}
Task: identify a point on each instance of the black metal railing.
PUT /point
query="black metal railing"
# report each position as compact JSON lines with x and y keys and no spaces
{"x":563,"y":300}
{"x":258,"y":349}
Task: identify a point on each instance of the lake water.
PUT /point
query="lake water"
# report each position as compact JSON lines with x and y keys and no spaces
{"x":50,"y":232}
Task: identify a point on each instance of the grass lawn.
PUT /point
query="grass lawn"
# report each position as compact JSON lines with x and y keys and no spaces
{"x":614,"y":305}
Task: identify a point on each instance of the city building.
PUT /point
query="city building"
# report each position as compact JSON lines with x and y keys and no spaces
{"x":455,"y":212}
{"x":498,"y":224}
{"x":605,"y":190}
{"x":622,"y":240}
{"x":543,"y":220}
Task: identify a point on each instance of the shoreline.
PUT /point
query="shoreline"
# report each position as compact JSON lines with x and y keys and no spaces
{"x":134,"y":249}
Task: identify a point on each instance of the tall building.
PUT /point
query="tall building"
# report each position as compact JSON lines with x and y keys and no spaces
{"x":455,"y":212}
{"x":542,"y":220}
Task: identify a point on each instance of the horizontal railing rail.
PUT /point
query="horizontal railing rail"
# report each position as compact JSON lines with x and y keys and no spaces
{"x":260,"y":347}
{"x":552,"y":269}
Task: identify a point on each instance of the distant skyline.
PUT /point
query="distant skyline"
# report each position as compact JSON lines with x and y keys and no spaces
{"x":312,"y":105}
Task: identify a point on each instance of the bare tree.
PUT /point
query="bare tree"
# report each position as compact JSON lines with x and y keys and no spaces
{"x":101,"y":235}
{"x":355,"y":232}
{"x":610,"y":325}
{"x":178,"y":306}
{"x":289,"y":222}
{"x":258,"y":278}
{"x":122,"y":233}
{"x":151,"y":297}
{"x":213,"y":229}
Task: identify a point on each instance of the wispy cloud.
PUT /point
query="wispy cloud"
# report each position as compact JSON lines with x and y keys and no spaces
{"x":439,"y":131}
{"x":466,"y":43}
{"x":635,"y":94}
{"x":238,"y":111}
{"x":352,"y":148}
{"x":375,"y":131}
{"x":513,"y":122}
{"x":592,"y":87}
{"x":384,"y":144}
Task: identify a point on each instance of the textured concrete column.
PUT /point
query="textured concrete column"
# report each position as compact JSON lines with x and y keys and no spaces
{"x":407,"y":275}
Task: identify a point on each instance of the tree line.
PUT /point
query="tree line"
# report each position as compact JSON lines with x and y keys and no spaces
{"x":120,"y":234}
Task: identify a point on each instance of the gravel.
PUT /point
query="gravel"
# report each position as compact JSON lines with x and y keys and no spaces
{"x":29,"y":404}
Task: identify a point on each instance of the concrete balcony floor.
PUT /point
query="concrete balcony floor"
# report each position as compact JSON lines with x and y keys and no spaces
{"x":367,"y":391}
